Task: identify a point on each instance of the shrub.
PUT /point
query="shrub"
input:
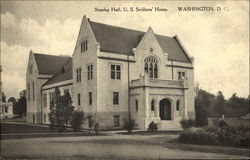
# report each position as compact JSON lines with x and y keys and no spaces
{"x":129,"y":125}
{"x":96,"y":127}
{"x":185,"y":124}
{"x":222,"y":124}
{"x":233,"y":136}
{"x":152,"y":127}
{"x":77,"y":120}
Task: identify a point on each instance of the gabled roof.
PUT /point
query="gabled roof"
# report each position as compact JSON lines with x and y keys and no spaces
{"x":49,"y":64}
{"x":65,"y":73}
{"x":122,"y":40}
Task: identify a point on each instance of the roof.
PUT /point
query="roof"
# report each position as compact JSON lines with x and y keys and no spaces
{"x":110,"y":38}
{"x":65,"y":73}
{"x":49,"y":64}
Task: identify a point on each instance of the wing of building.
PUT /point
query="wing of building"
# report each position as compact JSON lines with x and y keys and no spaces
{"x":115,"y":73}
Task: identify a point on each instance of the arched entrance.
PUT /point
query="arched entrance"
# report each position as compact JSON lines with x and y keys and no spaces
{"x":165,"y":109}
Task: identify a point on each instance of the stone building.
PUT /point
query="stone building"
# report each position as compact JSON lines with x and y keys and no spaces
{"x":115,"y":71}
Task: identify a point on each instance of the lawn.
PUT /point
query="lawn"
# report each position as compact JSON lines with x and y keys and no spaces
{"x":22,"y":130}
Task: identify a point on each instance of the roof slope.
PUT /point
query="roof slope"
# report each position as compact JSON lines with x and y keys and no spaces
{"x":122,"y":40}
{"x":65,"y":73}
{"x":49,"y":64}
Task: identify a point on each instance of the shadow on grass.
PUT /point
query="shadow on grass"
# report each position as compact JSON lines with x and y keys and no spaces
{"x":149,"y":133}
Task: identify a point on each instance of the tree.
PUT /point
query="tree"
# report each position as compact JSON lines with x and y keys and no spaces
{"x":4,"y":97}
{"x":12,"y":99}
{"x":219,"y":105}
{"x":77,"y":120}
{"x":61,"y":110}
{"x":129,"y":124}
{"x":202,"y":106}
{"x":21,"y":106}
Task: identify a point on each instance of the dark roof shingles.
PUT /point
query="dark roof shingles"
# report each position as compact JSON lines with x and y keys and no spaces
{"x":65,"y":73}
{"x":122,"y":40}
{"x":49,"y":64}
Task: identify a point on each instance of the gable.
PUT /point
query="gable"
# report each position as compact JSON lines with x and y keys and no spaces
{"x":121,"y":41}
{"x":49,"y":64}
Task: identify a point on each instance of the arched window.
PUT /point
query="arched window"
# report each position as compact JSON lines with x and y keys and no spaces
{"x":155,"y":71}
{"x":136,"y":105}
{"x":152,"y":105}
{"x":150,"y":67}
{"x":146,"y":68}
{"x":178,"y":105}
{"x":151,"y":70}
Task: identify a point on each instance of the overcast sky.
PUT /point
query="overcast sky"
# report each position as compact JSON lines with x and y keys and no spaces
{"x":219,"y":41}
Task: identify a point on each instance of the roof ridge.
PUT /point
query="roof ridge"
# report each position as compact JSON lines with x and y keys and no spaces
{"x":117,"y":26}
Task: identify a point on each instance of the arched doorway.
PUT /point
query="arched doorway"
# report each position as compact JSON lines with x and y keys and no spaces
{"x":165,"y":109}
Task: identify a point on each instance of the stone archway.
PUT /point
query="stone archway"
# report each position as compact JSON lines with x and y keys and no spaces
{"x":165,"y":109}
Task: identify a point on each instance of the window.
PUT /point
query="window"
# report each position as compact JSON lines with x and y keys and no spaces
{"x":78,"y":74}
{"x":66,"y":91}
{"x":28,"y":91}
{"x":33,"y":88}
{"x":90,"y":72}
{"x":181,"y":75}
{"x":44,"y":118}
{"x":150,"y":67}
{"x":116,"y":121}
{"x":152,"y":105}
{"x":79,"y":98}
{"x":136,"y":105}
{"x":51,"y":99}
{"x":90,"y":121}
{"x":44,"y":100}
{"x":84,"y":45}
{"x":90,"y":98}
{"x":115,"y":97}
{"x":178,"y":105}
{"x":6,"y":109}
{"x":115,"y":71}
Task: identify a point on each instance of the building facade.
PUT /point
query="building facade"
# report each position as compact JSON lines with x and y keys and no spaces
{"x":115,"y":73}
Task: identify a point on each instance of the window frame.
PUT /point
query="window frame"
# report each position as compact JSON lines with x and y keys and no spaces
{"x":152,"y":106}
{"x":115,"y":98}
{"x":78,"y":74}
{"x":116,"y":121}
{"x":177,"y":105}
{"x":115,"y":71}
{"x":90,"y":98}
{"x":78,"y":99}
{"x":136,"y":105}
{"x":90,"y":68}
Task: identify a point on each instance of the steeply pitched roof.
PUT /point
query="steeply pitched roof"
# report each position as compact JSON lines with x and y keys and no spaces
{"x":49,"y":64}
{"x":65,"y":73}
{"x":122,"y":40}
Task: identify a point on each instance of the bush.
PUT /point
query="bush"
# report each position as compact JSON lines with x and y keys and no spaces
{"x":77,"y":120}
{"x":129,"y":125}
{"x":152,"y":127}
{"x":96,"y":127}
{"x":185,"y":124}
{"x":233,"y":136}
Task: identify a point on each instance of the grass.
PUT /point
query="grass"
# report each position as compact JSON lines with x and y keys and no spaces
{"x":19,"y":131}
{"x":149,"y":133}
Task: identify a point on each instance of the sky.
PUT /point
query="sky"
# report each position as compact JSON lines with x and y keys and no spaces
{"x":218,"y":40}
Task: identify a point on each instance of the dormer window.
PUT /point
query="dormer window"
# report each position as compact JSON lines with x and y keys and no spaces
{"x":84,"y":45}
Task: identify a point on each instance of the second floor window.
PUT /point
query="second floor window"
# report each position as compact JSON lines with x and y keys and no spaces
{"x":150,"y":67}
{"x":115,"y":97}
{"x":79,"y":99}
{"x":90,"y":72}
{"x":78,"y":74}
{"x":115,"y":71}
{"x":84,"y":45}
{"x":181,"y":75}
{"x":90,"y":98}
